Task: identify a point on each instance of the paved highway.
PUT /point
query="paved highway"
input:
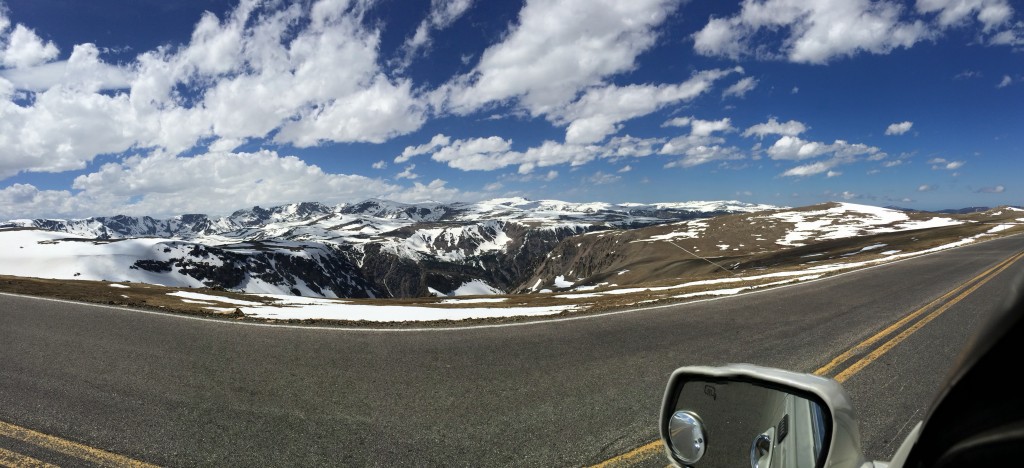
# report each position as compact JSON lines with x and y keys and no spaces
{"x":83,"y":382}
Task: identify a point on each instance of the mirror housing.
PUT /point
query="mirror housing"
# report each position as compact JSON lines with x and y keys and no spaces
{"x":752,"y":409}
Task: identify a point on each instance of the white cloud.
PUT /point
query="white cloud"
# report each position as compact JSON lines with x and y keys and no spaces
{"x":741,"y":87}
{"x":601,"y":178}
{"x":795,"y":148}
{"x":598,"y":112}
{"x":677,"y":122}
{"x":1006,"y":81}
{"x":1013,"y":36}
{"x":942,"y":163}
{"x":993,"y":189}
{"x":701,"y":128}
{"x":380,"y":164}
{"x":407,"y":173}
{"x":899,"y":128}
{"x":701,"y":145}
{"x":695,"y":155}
{"x":842,"y":152}
{"x":625,"y":168}
{"x":815,"y":31}
{"x":990,"y":13}
{"x":795,"y":90}
{"x":436,"y":142}
{"x":435,"y":191}
{"x":478,"y":154}
{"x":925,"y":188}
{"x":63,"y":129}
{"x":774,"y":127}
{"x":831,"y":174}
{"x":27,"y":201}
{"x":810,"y":169}
{"x":442,"y":14}
{"x":23,"y":48}
{"x":557,"y":49}
{"x":214,"y":183}
{"x":493,"y":186}
{"x":491,"y":153}
{"x":304,"y":74}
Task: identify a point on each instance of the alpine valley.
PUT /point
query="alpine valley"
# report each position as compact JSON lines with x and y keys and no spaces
{"x":384,"y":249}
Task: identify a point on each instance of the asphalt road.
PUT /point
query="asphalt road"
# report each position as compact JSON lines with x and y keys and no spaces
{"x":177,"y":391}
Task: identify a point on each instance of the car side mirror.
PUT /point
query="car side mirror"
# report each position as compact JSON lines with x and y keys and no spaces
{"x":747,"y":415}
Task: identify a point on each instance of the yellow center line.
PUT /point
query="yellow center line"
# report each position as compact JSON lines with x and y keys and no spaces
{"x":882,"y":334}
{"x":67,"y":447}
{"x":888,"y":345}
{"x":640,"y":451}
{"x":17,"y":460}
{"x":650,"y":447}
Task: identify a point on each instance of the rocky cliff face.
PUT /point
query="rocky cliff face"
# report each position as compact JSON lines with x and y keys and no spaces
{"x":375,"y":248}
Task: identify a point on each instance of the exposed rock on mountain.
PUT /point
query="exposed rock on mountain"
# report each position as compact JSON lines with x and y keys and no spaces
{"x":375,"y":248}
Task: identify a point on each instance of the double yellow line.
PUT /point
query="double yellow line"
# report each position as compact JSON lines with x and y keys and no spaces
{"x":959,"y":292}
{"x":56,"y":444}
{"x":943,"y":302}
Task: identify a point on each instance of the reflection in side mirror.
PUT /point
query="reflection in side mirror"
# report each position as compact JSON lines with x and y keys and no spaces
{"x":734,"y":421}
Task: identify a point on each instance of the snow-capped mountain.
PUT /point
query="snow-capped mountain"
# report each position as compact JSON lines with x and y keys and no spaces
{"x":376,"y":248}
{"x":784,"y":237}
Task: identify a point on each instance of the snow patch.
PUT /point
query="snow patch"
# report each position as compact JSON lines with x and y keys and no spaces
{"x":209,"y":297}
{"x":476,"y":288}
{"x":560,"y":282}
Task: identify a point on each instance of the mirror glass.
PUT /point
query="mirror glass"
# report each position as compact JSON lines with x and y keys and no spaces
{"x":734,"y":423}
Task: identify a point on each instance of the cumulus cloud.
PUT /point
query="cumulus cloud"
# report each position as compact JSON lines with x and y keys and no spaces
{"x":942,"y":163}
{"x":831,"y":174}
{"x":380,"y":164}
{"x":795,"y":148}
{"x":492,"y":153}
{"x":27,"y":201}
{"x":840,"y":152}
{"x":899,"y":128}
{"x":625,"y":168}
{"x":810,"y":169}
{"x":597,"y":113}
{"x":436,"y":142}
{"x":407,"y":173}
{"x":23,"y":48}
{"x":1006,"y":81}
{"x":556,"y":49}
{"x":925,"y":188}
{"x":815,"y":31}
{"x":303,"y":74}
{"x":701,"y":128}
{"x":695,"y":151}
{"x":701,"y":145}
{"x":791,"y":128}
{"x":161,"y":184}
{"x":740,"y":88}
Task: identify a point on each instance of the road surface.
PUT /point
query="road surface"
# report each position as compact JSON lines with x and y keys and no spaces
{"x":83,"y":382}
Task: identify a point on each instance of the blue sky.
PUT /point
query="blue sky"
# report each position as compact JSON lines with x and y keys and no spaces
{"x":162,"y":108}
